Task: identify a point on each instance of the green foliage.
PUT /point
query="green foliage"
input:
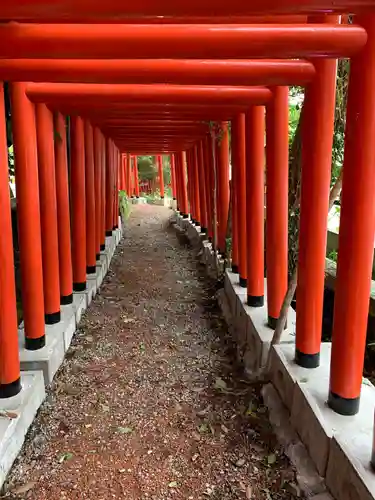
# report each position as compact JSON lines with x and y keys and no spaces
{"x":332,"y":255}
{"x":147,"y":169}
{"x":166,"y":169}
{"x":294,"y":114}
{"x":124,"y":205}
{"x":11,"y":161}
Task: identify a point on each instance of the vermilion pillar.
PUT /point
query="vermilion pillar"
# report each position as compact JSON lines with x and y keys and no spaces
{"x":173,"y":176}
{"x":129,"y":175}
{"x":78,"y":204}
{"x":255,"y":121}
{"x":115,"y":186}
{"x":357,"y":232}
{"x":28,"y":213}
{"x":63,"y":211}
{"x":209,"y":188}
{"x":10,"y":383}
{"x":277,"y":150}
{"x":317,"y":134}
{"x":104,"y":188}
{"x":240,"y":188}
{"x":124,"y":163}
{"x":233,"y":189}
{"x":195,"y":193}
{"x":177,"y":176}
{"x":109,"y":189}
{"x":192,"y":191}
{"x":48,"y":213}
{"x":223,"y":186}
{"x":184,"y":199}
{"x":122,"y":175}
{"x":189,"y":183}
{"x":90,"y":199}
{"x":136,"y":177}
{"x":161,"y":175}
{"x":179,"y":182}
{"x":202,"y":187}
{"x":98,"y":190}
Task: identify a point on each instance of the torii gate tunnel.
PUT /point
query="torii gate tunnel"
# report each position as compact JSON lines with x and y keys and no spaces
{"x":153,"y":81}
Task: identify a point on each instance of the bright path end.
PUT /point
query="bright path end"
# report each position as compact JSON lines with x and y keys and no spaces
{"x":149,"y":403}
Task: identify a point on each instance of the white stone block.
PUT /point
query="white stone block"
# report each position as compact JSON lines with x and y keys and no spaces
{"x":49,"y":358}
{"x":99,"y":274}
{"x":229,"y":281}
{"x":316,"y":423}
{"x":349,"y":476}
{"x":68,"y":320}
{"x":91,"y":288}
{"x":13,"y":431}
{"x":285,"y":372}
{"x":79,"y":304}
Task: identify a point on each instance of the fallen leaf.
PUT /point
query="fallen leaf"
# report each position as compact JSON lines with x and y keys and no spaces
{"x":220,"y":384}
{"x":129,"y":320}
{"x":8,"y":414}
{"x":70,"y":390}
{"x":20,"y":490}
{"x":65,"y":456}
{"x":203,"y":428}
{"x":194,"y":457}
{"x":224,"y":429}
{"x":196,"y":436}
{"x":240,"y":462}
{"x":124,"y":430}
{"x":271,"y":459}
{"x":173,"y":484}
{"x":249,"y":493}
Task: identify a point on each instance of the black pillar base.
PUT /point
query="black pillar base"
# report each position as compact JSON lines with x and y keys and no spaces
{"x":66,"y":299}
{"x":307,"y":360}
{"x":79,"y":287}
{"x":108,"y":233}
{"x":102,"y":247}
{"x":243,"y":282}
{"x":174,"y":199}
{"x":234,"y":268}
{"x":185,"y":216}
{"x":10,"y":390}
{"x":272,"y":322}
{"x":35,"y":344}
{"x":255,"y":300}
{"x":91,"y":269}
{"x":97,"y":256}
{"x":203,"y":229}
{"x":114,"y":228}
{"x":52,"y":318}
{"x":343,"y":406}
{"x":192,"y":220}
{"x":162,"y":197}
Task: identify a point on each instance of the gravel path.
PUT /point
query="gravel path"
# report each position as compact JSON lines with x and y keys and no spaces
{"x":149,"y":403}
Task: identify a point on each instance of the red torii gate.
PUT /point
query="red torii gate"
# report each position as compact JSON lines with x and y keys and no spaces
{"x":191,"y":41}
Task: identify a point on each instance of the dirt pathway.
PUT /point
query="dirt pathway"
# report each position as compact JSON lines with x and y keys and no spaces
{"x":148,"y":403}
